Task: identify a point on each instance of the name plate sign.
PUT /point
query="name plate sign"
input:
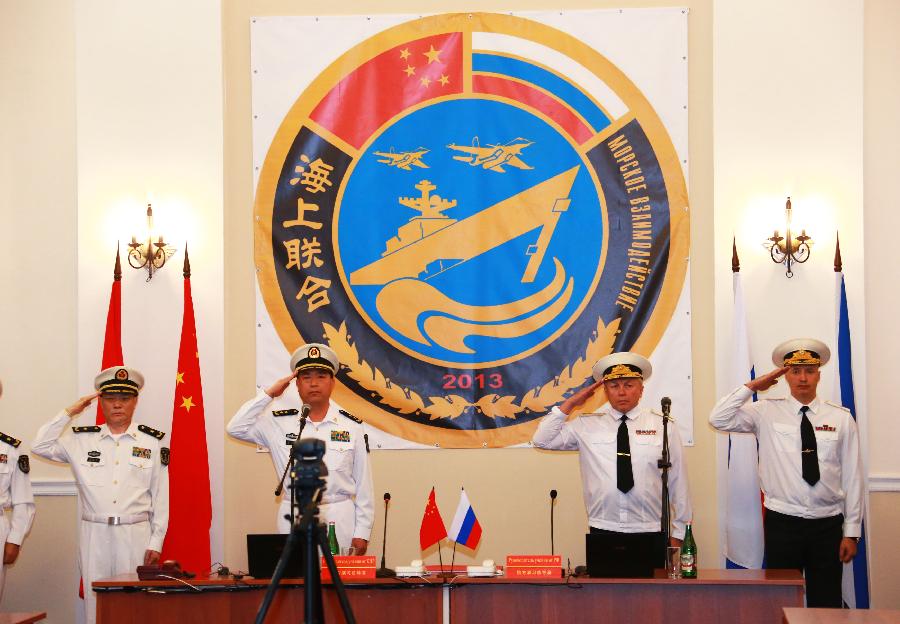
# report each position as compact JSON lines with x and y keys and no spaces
{"x":533,"y":566}
{"x":351,"y":568}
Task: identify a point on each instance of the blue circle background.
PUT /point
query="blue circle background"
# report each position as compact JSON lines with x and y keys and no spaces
{"x":370,"y":214}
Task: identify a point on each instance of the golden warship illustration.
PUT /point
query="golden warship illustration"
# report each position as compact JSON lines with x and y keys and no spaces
{"x":432,"y":242}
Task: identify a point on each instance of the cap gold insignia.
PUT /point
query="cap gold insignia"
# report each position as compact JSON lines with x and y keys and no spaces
{"x":313,"y":352}
{"x":801,"y":357}
{"x":121,"y":374}
{"x":620,"y":371}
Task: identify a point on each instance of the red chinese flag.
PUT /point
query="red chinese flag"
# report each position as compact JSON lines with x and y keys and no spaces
{"x":380,"y":88}
{"x":432,"y":530}
{"x":190,"y":504}
{"x":112,"y":341}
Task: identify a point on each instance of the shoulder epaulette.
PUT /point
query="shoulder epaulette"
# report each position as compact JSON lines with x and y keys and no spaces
{"x":150,"y":431}
{"x":837,"y":405}
{"x":10,"y":440}
{"x":350,"y":416}
{"x":285,"y":412}
{"x":87,"y":429}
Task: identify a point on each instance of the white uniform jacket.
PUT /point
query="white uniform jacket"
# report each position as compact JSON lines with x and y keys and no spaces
{"x":776,"y":423}
{"x":348,"y":499}
{"x":594,"y":436}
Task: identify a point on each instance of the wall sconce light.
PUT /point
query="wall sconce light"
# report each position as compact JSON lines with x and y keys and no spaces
{"x":789,"y":249}
{"x":151,"y":255}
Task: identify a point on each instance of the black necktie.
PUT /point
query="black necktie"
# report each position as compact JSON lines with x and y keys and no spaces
{"x":624,"y":476}
{"x":809,"y":456}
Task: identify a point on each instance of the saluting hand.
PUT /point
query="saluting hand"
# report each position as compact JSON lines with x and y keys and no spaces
{"x":278,"y":388}
{"x":766,"y":381}
{"x":579,"y":398}
{"x":78,"y":406}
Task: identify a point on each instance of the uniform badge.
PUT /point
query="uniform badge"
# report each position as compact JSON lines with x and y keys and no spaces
{"x":829,"y":428}
{"x":164,"y":456}
{"x":143,"y":453}
{"x":94,"y":457}
{"x":3,"y":458}
{"x":340,"y":436}
{"x":121,"y":374}
{"x":647,"y":432}
{"x":289,"y":438}
{"x":24,"y":466}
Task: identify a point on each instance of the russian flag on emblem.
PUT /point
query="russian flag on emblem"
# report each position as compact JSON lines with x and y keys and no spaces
{"x":465,"y":529}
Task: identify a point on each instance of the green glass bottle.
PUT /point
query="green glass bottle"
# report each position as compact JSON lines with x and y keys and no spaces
{"x":688,"y":555}
{"x":332,"y":540}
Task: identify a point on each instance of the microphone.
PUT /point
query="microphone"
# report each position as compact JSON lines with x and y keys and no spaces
{"x":552,"y":500}
{"x":666,"y":404}
{"x":304,"y":414}
{"x":384,"y":571}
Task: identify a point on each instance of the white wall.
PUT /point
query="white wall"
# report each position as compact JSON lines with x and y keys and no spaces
{"x":149,"y":124}
{"x":788,"y":121}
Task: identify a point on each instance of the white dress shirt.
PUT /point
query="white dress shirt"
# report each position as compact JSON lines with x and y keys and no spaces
{"x":15,"y":492}
{"x":349,"y":472}
{"x":776,"y":423}
{"x":117,"y":475}
{"x":594,"y":436}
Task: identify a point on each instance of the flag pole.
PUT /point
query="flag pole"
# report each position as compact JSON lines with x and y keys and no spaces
{"x":453,"y":558}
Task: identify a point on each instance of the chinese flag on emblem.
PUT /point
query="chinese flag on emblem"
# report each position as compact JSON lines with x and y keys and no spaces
{"x":381,"y":87}
{"x":432,"y":530}
{"x":190,"y":506}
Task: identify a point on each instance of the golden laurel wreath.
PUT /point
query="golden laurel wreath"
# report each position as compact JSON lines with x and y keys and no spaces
{"x":541,"y":399}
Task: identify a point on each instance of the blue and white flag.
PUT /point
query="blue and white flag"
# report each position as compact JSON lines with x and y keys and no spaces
{"x":856,"y":573}
{"x":743,"y":534}
{"x":465,"y":529}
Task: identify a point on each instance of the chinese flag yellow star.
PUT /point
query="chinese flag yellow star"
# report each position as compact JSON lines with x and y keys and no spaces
{"x":410,"y":70}
{"x":179,"y":378}
{"x":444,"y":80}
{"x":425,"y":82}
{"x":432,"y":55}
{"x":186,"y":403}
{"x":404,"y":53}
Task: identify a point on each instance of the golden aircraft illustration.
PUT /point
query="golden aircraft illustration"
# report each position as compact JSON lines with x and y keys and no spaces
{"x":493,"y":157}
{"x":403,"y":160}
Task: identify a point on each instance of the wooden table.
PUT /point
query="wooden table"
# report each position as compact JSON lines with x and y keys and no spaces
{"x":22,"y":618}
{"x":841,"y":616}
{"x":730,"y":596}
{"x":126,"y":600}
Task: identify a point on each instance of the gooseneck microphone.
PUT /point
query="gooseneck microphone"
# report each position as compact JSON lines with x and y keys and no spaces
{"x":304,"y":414}
{"x":552,"y":501}
{"x":666,"y":404}
{"x":384,"y":571}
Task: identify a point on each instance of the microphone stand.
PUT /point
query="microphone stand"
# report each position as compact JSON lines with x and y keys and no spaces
{"x":664,"y":464}
{"x":384,"y":571}
{"x":304,"y":413}
{"x":552,"y":501}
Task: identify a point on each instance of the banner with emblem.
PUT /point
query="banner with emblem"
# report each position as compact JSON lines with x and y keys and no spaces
{"x":471,"y":209}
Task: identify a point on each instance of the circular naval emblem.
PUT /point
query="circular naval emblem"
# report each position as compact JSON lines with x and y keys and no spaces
{"x":121,"y":374}
{"x":470,"y":225}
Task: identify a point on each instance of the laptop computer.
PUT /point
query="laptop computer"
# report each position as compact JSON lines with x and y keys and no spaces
{"x":264,"y":551}
{"x":624,"y":555}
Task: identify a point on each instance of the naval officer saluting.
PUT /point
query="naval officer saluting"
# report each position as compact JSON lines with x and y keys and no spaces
{"x":121,"y":471}
{"x":347,"y":501}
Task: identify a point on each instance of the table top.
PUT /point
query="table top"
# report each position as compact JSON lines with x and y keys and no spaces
{"x":22,"y":618}
{"x":705,"y":577}
{"x":794,"y":615}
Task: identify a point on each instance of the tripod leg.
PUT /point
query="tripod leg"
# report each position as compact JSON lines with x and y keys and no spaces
{"x":276,"y":577}
{"x":336,"y":579}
